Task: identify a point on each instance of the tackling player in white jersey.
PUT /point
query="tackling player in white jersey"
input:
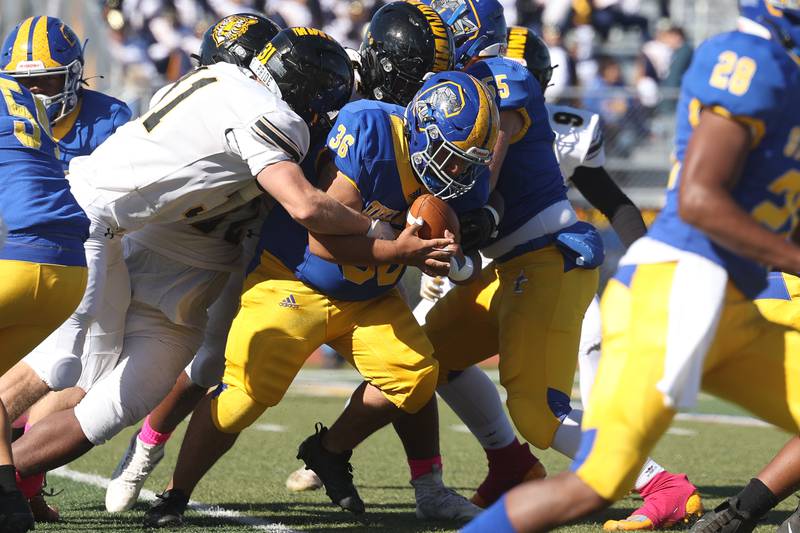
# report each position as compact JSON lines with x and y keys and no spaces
{"x":174,"y":172}
{"x":581,"y":155}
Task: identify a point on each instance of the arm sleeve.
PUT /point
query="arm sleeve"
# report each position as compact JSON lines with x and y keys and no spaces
{"x":604,"y":194}
{"x":270,"y":139}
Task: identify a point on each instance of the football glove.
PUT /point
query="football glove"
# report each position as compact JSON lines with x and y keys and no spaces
{"x":582,"y":244}
{"x":431,"y":287}
{"x":477,"y":228}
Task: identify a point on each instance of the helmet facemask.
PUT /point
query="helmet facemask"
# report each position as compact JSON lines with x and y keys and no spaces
{"x":61,"y":103}
{"x":445,"y":169}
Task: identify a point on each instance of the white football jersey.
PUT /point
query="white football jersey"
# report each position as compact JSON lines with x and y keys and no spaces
{"x":579,"y":139}
{"x":193,"y":156}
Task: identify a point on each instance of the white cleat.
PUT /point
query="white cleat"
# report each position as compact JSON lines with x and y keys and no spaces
{"x":437,"y":502}
{"x":303,"y":479}
{"x":134,"y":468}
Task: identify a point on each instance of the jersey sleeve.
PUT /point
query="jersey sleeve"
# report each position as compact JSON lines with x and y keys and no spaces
{"x":511,"y":82}
{"x":271,"y":138}
{"x":120,"y":114}
{"x":735,"y":79}
{"x":352,"y":143}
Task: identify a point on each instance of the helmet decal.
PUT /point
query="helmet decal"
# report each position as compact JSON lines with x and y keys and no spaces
{"x":231,"y":28}
{"x":447,"y":97}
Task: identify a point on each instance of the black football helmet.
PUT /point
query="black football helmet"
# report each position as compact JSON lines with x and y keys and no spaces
{"x":236,"y":39}
{"x":527,"y":48}
{"x":405,"y":41}
{"x":310,"y":71}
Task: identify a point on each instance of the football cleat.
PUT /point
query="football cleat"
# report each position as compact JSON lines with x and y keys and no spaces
{"x":42,"y":512}
{"x":510,"y":466}
{"x":791,"y":524}
{"x":132,"y":471}
{"x":334,"y":469}
{"x":15,"y":515}
{"x":726,"y":518}
{"x":303,"y":479}
{"x":168,"y":510}
{"x":668,"y":500}
{"x":437,"y":502}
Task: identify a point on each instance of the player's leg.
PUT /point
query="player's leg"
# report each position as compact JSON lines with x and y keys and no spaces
{"x":463,"y":330}
{"x":34,"y":305}
{"x":662,"y":491}
{"x":267,"y":345}
{"x":622,"y":424}
{"x":146,"y":448}
{"x":773,"y":393}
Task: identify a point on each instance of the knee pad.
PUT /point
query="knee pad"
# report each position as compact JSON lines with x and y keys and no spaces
{"x":59,"y":369}
{"x":233,"y":410}
{"x":421,"y":391}
{"x":536,"y":422}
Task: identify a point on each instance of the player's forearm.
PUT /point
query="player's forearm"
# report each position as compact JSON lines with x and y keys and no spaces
{"x":325,"y":215}
{"x":605,"y":195}
{"x":718,"y":216}
{"x":353,"y":249}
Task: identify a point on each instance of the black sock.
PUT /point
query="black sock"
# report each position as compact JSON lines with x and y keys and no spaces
{"x":8,"y":478}
{"x":756,"y":498}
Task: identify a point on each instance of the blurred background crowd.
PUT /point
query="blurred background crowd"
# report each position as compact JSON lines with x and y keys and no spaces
{"x":623,"y":59}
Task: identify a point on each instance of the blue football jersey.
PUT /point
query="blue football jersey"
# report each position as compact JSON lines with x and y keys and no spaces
{"x":45,"y":223}
{"x":754,"y":81}
{"x":369,"y":146}
{"x":530,"y":179}
{"x":93,"y":121}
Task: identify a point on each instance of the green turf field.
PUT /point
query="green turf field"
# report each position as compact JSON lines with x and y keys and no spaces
{"x":249,"y":481}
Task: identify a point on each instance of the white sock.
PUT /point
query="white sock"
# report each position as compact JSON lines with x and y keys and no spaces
{"x":474,"y":398}
{"x":650,"y":470}
{"x":568,"y":436}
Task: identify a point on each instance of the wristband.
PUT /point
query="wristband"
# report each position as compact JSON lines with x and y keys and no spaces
{"x":495,"y":216}
{"x":463,"y":272}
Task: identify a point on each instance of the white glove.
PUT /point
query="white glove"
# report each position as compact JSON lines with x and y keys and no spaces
{"x":431,"y":287}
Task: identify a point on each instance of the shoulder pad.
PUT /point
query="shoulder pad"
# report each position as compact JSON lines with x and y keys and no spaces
{"x":514,"y":86}
{"x":738,"y":74}
{"x":285,"y":131}
{"x":356,"y":137}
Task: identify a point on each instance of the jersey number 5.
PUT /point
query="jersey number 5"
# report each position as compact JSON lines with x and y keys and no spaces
{"x":34,"y":138}
{"x":733,"y":73}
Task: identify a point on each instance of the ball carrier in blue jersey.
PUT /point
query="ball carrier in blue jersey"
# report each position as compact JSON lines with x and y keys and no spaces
{"x":679,"y":314}
{"x":309,"y":289}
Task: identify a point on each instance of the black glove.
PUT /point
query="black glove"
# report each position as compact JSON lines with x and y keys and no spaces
{"x":477,"y":228}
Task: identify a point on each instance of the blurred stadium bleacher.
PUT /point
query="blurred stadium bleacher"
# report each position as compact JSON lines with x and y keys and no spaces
{"x":625,"y":76}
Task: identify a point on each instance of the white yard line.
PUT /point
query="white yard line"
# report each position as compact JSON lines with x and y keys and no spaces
{"x":727,"y":420}
{"x":213,"y":511}
{"x":270,"y":428}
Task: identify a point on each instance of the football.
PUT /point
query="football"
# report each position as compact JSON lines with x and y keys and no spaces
{"x":436,"y":217}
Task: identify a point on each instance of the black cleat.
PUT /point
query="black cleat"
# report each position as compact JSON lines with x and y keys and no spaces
{"x":726,"y":518}
{"x":15,"y":514}
{"x":334,"y":469}
{"x":168,"y":510}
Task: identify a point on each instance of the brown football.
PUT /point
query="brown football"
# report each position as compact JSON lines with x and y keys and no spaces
{"x":436,"y":216}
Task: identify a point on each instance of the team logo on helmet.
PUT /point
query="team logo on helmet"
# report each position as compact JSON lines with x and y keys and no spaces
{"x":441,"y":38}
{"x":231,"y":28}
{"x":68,"y":34}
{"x":462,"y":27}
{"x":447,"y":97}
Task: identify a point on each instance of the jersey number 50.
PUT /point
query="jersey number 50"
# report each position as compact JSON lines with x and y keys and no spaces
{"x":386,"y":274}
